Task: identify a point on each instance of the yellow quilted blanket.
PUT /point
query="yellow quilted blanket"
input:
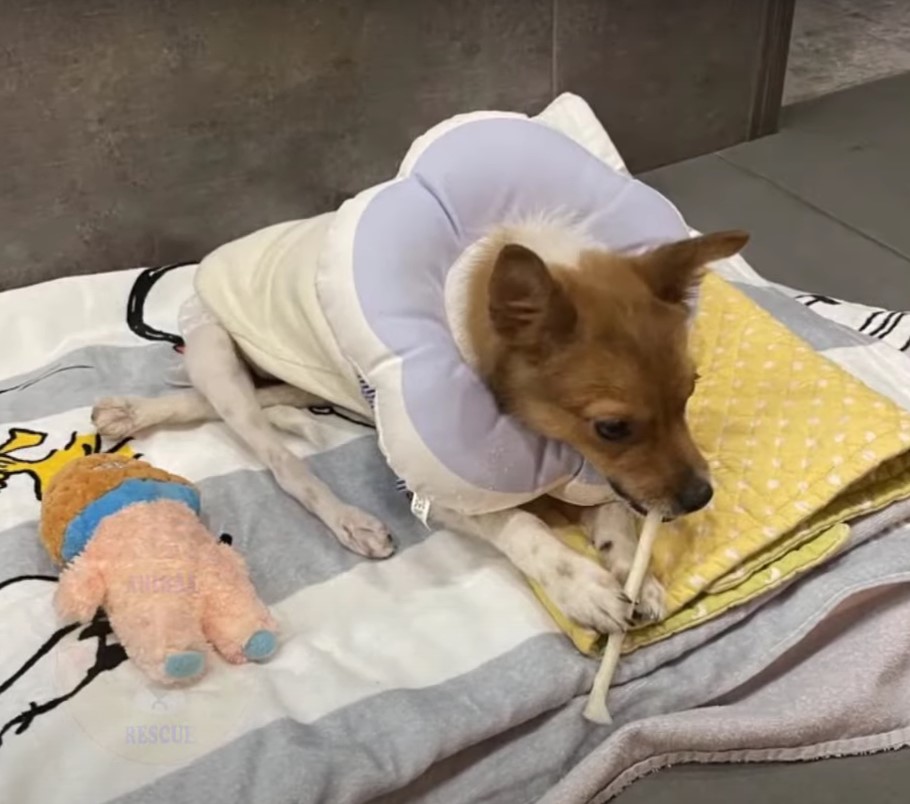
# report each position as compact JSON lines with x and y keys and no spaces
{"x":797,"y":447}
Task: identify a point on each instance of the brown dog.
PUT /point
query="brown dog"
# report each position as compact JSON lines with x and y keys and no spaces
{"x":595,"y":354}
{"x":591,"y":348}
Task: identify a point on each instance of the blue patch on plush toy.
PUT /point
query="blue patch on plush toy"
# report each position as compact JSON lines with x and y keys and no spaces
{"x":186,"y":664}
{"x":135,"y":490}
{"x":261,"y":646}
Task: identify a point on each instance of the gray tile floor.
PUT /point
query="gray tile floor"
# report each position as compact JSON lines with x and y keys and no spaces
{"x":828,"y":202}
{"x":842,"y":43}
{"x":877,"y":779}
{"x":827,"y":199}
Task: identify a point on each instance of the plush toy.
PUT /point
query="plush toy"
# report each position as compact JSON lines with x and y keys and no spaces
{"x":130,"y":539}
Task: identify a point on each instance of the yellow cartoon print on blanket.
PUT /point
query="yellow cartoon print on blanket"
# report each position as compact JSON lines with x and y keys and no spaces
{"x":797,"y":446}
{"x":17,"y":458}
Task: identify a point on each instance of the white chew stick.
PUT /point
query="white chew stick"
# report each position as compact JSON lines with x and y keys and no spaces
{"x":596,"y":708}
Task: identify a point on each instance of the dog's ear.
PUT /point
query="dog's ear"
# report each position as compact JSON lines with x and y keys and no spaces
{"x":674,"y":271}
{"x":527,"y":305}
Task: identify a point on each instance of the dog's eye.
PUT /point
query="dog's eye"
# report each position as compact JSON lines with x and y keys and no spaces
{"x":613,"y":429}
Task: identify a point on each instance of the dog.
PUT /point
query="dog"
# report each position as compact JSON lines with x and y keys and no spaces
{"x":578,"y":343}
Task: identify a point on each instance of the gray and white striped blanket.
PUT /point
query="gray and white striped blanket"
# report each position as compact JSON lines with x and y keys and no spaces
{"x":431,"y":676}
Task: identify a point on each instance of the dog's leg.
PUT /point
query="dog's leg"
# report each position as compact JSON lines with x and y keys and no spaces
{"x":580,"y":588}
{"x":220,"y":376}
{"x":300,"y":423}
{"x":614,"y":533}
{"x":122,"y":416}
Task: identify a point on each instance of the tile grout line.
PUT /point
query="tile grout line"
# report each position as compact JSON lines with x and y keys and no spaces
{"x":788,"y":192}
{"x":554,"y":49}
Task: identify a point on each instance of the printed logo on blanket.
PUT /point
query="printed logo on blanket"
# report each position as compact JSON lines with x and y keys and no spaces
{"x":138,"y":721}
{"x":119,"y":711}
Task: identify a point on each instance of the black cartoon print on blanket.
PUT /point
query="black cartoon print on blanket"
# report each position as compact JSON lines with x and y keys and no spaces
{"x":108,"y":655}
{"x":135,"y":306}
{"x":890,"y":326}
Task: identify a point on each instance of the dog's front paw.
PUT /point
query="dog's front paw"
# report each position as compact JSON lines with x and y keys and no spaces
{"x":362,"y":533}
{"x":652,"y":602}
{"x":589,"y":594}
{"x":116,"y":417}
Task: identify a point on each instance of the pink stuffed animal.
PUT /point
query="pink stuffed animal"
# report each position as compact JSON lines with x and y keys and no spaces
{"x":132,"y":543}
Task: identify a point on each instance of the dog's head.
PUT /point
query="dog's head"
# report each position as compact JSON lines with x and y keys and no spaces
{"x":595,"y":354}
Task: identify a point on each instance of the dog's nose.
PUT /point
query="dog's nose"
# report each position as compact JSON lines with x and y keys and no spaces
{"x":695,"y":495}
